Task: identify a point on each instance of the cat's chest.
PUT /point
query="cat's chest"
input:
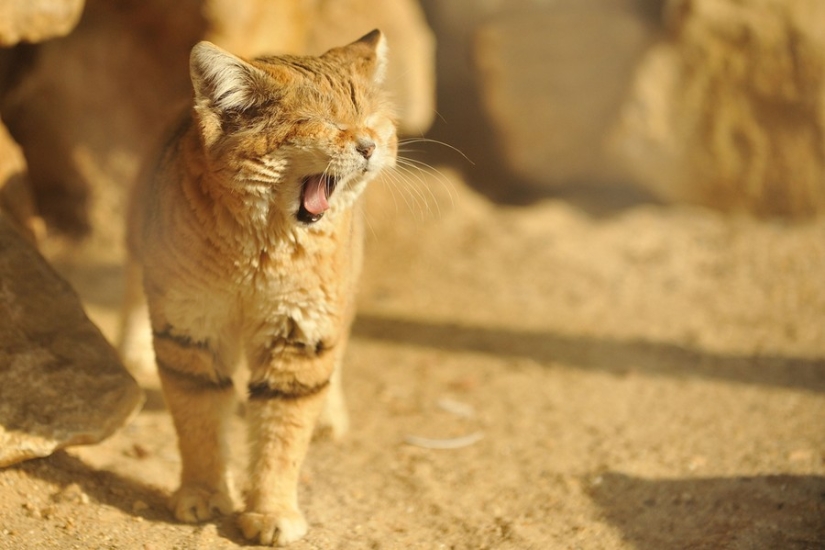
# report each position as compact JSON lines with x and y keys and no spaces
{"x":299,"y":270}
{"x":291,"y":287}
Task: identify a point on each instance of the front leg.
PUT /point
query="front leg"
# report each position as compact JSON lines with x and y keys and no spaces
{"x":286,"y":395}
{"x":201,"y":399}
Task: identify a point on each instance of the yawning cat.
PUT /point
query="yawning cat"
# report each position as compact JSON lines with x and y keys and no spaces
{"x":249,"y":234}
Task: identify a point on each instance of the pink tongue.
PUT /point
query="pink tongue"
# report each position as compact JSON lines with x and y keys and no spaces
{"x":315,"y":195}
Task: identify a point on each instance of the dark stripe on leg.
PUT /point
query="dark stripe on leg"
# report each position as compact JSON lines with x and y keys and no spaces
{"x":196,"y":381}
{"x":285,"y":346}
{"x":179,"y":339}
{"x":289,"y":391}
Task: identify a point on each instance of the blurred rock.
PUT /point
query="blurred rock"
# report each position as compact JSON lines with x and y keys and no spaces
{"x":90,"y":108}
{"x":729,"y":111}
{"x":256,"y":27}
{"x":37,"y":20}
{"x":714,"y":102}
{"x":61,"y":383}
{"x":16,"y":200}
{"x":552,"y":79}
{"x":529,"y":89}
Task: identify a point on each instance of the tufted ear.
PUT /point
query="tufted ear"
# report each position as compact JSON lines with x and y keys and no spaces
{"x":222,"y":81}
{"x":366,"y":56}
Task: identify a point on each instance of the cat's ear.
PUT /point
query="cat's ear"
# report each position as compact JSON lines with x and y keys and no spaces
{"x":366,"y":56}
{"x":221,"y":80}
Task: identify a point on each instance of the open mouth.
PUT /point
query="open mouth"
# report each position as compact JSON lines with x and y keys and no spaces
{"x":315,"y":193}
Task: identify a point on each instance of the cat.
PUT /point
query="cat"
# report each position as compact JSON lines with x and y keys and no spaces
{"x":249,"y":235}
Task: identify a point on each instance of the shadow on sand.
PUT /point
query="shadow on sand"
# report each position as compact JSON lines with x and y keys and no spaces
{"x":615,"y":356}
{"x":780,"y":511}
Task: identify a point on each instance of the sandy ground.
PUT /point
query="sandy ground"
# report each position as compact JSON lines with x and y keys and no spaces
{"x":645,"y":377}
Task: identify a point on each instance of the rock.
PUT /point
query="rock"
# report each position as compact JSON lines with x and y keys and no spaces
{"x":552,"y":79}
{"x":87,"y":119}
{"x":61,"y":383}
{"x":729,"y":110}
{"x":37,"y":20}
{"x":250,"y":28}
{"x":528,"y":89}
{"x":15,"y":192}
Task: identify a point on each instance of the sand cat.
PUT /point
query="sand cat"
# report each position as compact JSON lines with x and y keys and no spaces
{"x":250,"y":239}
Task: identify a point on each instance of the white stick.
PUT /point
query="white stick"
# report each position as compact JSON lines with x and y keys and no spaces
{"x":453,"y":443}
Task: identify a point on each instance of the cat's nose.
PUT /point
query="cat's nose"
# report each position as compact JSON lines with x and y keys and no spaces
{"x":365,"y":146}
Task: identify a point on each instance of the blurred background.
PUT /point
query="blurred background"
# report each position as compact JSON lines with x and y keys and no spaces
{"x":709,"y":102}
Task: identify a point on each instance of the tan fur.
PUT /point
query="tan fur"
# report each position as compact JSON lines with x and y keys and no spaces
{"x":230,"y":270}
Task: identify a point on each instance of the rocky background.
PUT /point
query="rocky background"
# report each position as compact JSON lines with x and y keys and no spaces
{"x":600,"y":277}
{"x":710,"y":102}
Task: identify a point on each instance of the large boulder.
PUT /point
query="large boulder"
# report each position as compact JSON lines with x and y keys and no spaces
{"x":88,"y":108}
{"x":552,"y":79}
{"x":713,"y":102}
{"x":61,"y":383}
{"x":529,"y":89}
{"x":37,"y":20}
{"x":729,"y":109}
{"x":16,"y":200}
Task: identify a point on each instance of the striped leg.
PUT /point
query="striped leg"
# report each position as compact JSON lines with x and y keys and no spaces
{"x":286,"y":395}
{"x":201,"y":399}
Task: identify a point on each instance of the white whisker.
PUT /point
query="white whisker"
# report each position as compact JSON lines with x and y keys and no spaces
{"x":407,"y":141}
{"x":415,"y":189}
{"x":441,"y":178}
{"x":393,"y":177}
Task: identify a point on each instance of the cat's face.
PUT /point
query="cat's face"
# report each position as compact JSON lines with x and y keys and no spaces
{"x":308,"y":132}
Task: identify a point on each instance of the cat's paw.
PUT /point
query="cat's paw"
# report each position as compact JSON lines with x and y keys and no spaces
{"x":276,"y":529}
{"x":196,"y":503}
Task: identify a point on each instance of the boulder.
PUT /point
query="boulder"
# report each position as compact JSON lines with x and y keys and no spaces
{"x":61,"y":383}
{"x":728,"y":110}
{"x":37,"y":20}
{"x":552,"y":79}
{"x":16,"y":200}
{"x":529,"y":89}
{"x":91,"y":106}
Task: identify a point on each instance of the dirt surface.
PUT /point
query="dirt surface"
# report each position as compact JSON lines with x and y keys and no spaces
{"x":648,"y":377}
